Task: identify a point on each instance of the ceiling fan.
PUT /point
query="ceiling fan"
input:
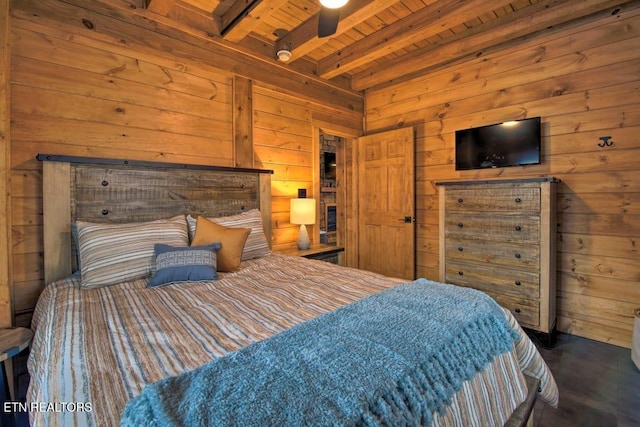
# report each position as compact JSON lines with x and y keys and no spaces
{"x":329,"y":16}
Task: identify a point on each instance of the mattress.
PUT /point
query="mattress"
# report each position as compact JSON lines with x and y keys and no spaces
{"x":94,"y":350}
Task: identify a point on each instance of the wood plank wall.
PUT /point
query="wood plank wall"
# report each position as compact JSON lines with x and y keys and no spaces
{"x":86,"y":92}
{"x":5,"y":166}
{"x":584,"y":81}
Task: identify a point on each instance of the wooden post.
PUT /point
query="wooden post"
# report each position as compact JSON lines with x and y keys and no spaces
{"x":6,"y":312}
{"x":265,"y":206}
{"x":57,"y":221}
{"x":243,"y":121}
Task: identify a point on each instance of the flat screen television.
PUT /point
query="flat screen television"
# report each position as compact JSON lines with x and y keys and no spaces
{"x":329,"y":165}
{"x":500,"y":145}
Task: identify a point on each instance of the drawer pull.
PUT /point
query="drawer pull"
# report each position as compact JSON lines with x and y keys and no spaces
{"x":517,"y":310}
{"x":518,"y":228}
{"x":460,"y":225}
{"x":460,"y":200}
{"x":518,"y":283}
{"x":460,"y":249}
{"x":518,"y":200}
{"x":460,"y":273}
{"x":518,"y":256}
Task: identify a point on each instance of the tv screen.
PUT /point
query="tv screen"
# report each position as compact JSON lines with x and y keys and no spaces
{"x":496,"y":146}
{"x":329,"y":165}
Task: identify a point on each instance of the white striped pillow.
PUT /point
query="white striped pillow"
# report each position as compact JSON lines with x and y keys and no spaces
{"x":256,"y":245}
{"x":116,"y":253}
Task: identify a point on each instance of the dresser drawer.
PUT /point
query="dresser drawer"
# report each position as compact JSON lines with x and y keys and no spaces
{"x":520,"y":228}
{"x":519,"y":255}
{"x":526,"y":312}
{"x":494,"y":279}
{"x":332,"y":258}
{"x":500,"y":200}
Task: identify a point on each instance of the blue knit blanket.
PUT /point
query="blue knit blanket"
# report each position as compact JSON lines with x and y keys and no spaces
{"x":393,"y":358}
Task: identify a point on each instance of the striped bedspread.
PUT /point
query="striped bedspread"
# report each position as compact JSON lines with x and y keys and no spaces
{"x":101,"y":347}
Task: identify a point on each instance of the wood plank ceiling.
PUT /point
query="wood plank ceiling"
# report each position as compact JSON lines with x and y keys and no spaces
{"x":377,"y":42}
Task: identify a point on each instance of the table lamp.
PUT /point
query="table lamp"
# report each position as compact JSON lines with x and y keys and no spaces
{"x":303,"y":212}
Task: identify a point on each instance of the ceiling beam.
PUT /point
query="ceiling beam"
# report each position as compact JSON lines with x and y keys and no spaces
{"x":416,"y":27}
{"x":181,"y":12}
{"x":234,"y":14}
{"x":135,"y":4}
{"x":244,"y":15}
{"x":194,"y":17}
{"x":304,"y":38}
{"x":161,"y":7}
{"x":495,"y":33}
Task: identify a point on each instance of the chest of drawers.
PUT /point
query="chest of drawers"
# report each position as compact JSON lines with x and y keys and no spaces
{"x":498,"y":236}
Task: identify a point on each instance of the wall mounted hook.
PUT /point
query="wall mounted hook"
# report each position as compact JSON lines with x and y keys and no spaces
{"x":605,"y":141}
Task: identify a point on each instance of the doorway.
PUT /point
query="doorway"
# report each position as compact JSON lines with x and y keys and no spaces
{"x":343,"y":189}
{"x":328,"y":211}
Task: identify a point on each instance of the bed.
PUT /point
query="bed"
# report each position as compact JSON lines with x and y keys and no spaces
{"x":106,"y":343}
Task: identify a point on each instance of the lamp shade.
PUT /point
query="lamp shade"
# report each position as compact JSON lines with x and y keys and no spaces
{"x":303,"y":211}
{"x":333,"y":4}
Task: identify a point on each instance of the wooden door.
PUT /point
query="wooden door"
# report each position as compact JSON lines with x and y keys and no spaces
{"x":386,"y":203}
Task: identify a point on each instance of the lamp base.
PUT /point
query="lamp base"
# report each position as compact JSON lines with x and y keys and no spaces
{"x":303,"y":238}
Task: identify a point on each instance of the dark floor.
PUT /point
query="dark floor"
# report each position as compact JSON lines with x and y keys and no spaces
{"x":599,"y":385}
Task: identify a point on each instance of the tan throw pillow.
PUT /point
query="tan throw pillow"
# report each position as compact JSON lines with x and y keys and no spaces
{"x":231,"y":241}
{"x":257,"y":245}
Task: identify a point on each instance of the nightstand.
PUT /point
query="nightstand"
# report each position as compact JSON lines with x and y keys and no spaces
{"x":12,"y":342}
{"x":320,"y":251}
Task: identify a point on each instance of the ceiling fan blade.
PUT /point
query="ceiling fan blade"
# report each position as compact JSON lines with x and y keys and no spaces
{"x":328,"y":21}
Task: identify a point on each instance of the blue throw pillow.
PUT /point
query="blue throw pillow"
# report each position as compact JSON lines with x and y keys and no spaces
{"x":184,"y":264}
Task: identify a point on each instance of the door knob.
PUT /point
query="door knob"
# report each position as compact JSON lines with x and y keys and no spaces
{"x":407,"y":219}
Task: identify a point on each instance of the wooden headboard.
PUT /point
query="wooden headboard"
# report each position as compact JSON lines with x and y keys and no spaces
{"x":119,"y":191}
